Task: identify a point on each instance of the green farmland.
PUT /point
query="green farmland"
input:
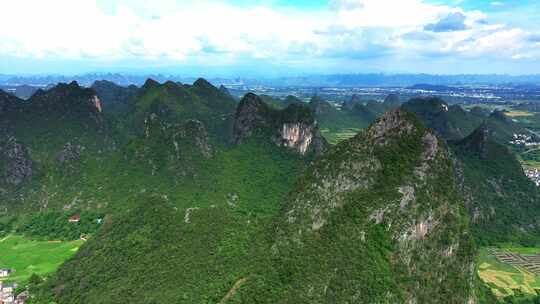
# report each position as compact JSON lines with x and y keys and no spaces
{"x":335,"y":136}
{"x":505,"y":279}
{"x":27,"y":256}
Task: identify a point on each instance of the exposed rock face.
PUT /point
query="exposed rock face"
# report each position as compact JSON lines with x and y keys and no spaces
{"x":17,"y":162}
{"x":149,"y":84}
{"x":175,"y":142}
{"x":292,"y":127}
{"x":195,"y":129}
{"x":97,"y":103}
{"x":69,"y":153}
{"x":391,"y":183}
{"x":296,"y":136}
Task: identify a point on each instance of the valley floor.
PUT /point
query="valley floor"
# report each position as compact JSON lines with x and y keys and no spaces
{"x":25,"y":256}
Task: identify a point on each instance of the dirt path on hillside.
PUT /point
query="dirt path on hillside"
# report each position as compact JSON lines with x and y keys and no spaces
{"x":233,"y":290}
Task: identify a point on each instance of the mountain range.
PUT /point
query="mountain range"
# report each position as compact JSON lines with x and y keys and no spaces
{"x":208,"y":199}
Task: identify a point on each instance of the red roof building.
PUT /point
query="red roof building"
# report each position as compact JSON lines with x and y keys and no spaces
{"x":75,"y":218}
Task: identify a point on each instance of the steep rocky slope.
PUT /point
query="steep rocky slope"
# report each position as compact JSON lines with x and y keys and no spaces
{"x":378,"y":219}
{"x":15,"y":163}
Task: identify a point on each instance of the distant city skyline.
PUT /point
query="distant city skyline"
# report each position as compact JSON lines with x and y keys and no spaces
{"x":269,"y":38}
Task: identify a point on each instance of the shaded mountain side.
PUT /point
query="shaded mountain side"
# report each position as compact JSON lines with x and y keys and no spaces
{"x":15,"y":163}
{"x":502,"y":128}
{"x":115,"y":98}
{"x":392,"y":100}
{"x":349,"y":104}
{"x":273,"y":102}
{"x":504,"y":205}
{"x":451,"y":122}
{"x":480,"y":112}
{"x":7,"y":103}
{"x":378,"y":219}
{"x":66,"y":102}
{"x":373,"y":109}
{"x":49,"y":120}
{"x":293,"y":127}
{"x":174,"y":102}
{"x":332,"y":119}
{"x":223,"y":89}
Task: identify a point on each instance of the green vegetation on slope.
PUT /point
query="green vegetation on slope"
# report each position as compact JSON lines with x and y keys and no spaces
{"x":198,"y":237}
{"x":451,"y":122}
{"x":336,"y":123}
{"x":503,"y":203}
{"x":360,"y":225}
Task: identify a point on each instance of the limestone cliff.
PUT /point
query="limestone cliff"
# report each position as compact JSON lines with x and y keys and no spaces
{"x":293,"y":127}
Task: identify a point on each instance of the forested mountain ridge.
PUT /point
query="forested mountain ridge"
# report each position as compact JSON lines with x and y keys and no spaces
{"x":246,"y":202}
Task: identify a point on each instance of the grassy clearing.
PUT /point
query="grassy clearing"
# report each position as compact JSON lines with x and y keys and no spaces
{"x":29,"y":256}
{"x":336,"y":136}
{"x":518,"y":113}
{"x":504,"y":279}
{"x":530,"y":164}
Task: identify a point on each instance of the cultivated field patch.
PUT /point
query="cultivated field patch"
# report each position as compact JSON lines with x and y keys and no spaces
{"x":27,"y":256}
{"x":335,"y":136}
{"x":507,"y":272}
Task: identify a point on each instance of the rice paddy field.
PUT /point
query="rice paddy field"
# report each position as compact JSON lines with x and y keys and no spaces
{"x":28,"y":256}
{"x":509,"y":270}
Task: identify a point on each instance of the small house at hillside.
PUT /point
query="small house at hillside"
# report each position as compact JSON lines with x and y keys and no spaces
{"x":74,"y":218}
{"x":4,"y":272}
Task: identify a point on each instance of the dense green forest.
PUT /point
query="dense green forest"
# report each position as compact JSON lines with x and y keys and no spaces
{"x":187,"y":196}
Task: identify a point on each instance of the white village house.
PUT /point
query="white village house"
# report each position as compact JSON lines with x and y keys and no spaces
{"x":5,"y":272}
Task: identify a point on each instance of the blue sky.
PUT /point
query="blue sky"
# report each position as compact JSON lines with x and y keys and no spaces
{"x":269,"y":37}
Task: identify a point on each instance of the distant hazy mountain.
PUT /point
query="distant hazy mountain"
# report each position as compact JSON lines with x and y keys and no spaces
{"x":451,"y":122}
{"x":371,"y":79}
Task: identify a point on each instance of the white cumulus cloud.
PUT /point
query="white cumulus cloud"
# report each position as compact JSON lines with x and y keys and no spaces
{"x":222,"y":32}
